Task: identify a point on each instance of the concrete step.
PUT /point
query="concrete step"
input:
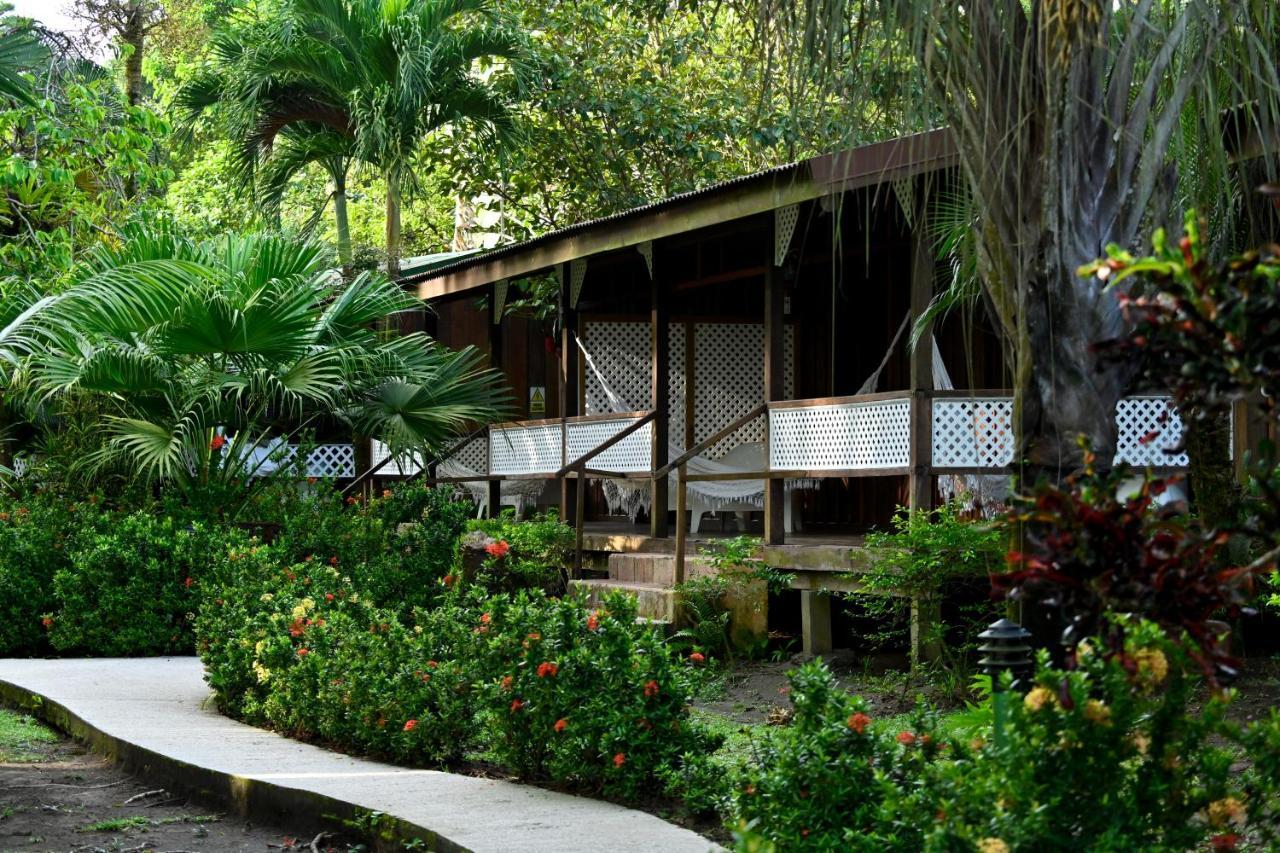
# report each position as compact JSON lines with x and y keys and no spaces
{"x":654,"y":602}
{"x":657,"y":569}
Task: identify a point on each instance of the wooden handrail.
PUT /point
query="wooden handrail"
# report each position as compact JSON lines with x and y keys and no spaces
{"x":707,"y":442}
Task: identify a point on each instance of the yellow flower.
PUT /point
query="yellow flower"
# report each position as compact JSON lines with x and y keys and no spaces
{"x":1153,"y":667}
{"x":1038,"y":698}
{"x":303,"y":607}
{"x":1227,"y":811}
{"x":992,"y":845}
{"x":266,"y":596}
{"x":1140,"y":742}
{"x":1096,"y":711}
{"x":262,"y":672}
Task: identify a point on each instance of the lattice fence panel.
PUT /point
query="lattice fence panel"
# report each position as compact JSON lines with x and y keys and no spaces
{"x":973,"y":432}
{"x":633,"y":453}
{"x":729,"y":380}
{"x":472,"y":457}
{"x":841,"y":437}
{"x":621,"y":354}
{"x":1146,"y":428}
{"x":332,"y":460}
{"x":404,"y":467}
{"x":525,"y":449}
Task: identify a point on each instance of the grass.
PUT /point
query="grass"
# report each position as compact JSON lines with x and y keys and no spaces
{"x":118,"y":824}
{"x":21,"y":738}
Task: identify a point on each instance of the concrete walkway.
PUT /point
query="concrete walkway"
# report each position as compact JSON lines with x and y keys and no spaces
{"x":155,"y":715}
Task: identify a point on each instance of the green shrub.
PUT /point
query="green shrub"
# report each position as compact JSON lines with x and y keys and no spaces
{"x":37,"y":533}
{"x":586,"y":697}
{"x":127,"y":589}
{"x":533,"y":554}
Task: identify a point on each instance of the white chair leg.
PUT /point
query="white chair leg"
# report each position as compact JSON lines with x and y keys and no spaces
{"x":695,"y":520}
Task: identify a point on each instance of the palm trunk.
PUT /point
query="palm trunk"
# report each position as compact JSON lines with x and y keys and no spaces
{"x":340,"y":221}
{"x":1213,"y":484}
{"x":133,"y":34}
{"x":393,"y":224}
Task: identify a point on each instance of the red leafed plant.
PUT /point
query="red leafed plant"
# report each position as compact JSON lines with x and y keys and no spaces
{"x":1087,"y":553}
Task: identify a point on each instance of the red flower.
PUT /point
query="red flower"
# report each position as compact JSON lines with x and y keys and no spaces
{"x":218,"y":442}
{"x":333,"y":561}
{"x":296,"y":628}
{"x":697,"y":657}
{"x":328,"y":596}
{"x":497,"y":550}
{"x":906,"y":738}
{"x":858,"y":722}
{"x":535,"y":636}
{"x":619,"y":759}
{"x":47,"y":622}
{"x":560,"y":725}
{"x":188,"y":582}
{"x":449,"y":579}
{"x":593,"y":622}
{"x":547,"y":668}
{"x":1225,"y":842}
{"x":516,"y":705}
{"x":650,"y":688}
{"x":485,"y":618}
{"x":549,"y":344}
{"x":302,"y":653}
{"x":386,"y":493}
{"x":432,"y":664}
{"x":506,"y":682}
{"x":410,"y":725}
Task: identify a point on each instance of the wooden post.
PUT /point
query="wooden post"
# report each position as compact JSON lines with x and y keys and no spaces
{"x":570,"y":487}
{"x":660,"y":355}
{"x":920,"y":486}
{"x":494,"y":498}
{"x":579,"y":504}
{"x":682,"y":500}
{"x":815,"y":621}
{"x":774,"y":367}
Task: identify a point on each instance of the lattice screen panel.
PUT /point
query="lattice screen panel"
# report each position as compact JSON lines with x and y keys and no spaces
{"x":402,"y":468}
{"x":525,"y":449}
{"x":1147,"y":427}
{"x":472,"y":456}
{"x":841,"y":437}
{"x":332,"y":460}
{"x":621,"y":353}
{"x":729,"y":380}
{"x":633,"y":453}
{"x":973,"y":432}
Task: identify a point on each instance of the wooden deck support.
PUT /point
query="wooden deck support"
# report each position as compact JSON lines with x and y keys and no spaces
{"x":660,"y":375}
{"x":815,"y":621}
{"x":494,"y":496}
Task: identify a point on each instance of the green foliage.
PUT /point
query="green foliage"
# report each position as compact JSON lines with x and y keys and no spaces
{"x":127,"y":590}
{"x":533,"y":554}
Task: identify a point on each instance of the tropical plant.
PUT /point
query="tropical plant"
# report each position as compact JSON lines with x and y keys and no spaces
{"x":207,"y":356}
{"x":1067,"y":117}
{"x":383,"y":76}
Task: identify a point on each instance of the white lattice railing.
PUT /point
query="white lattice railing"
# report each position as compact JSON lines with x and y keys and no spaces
{"x":977,"y":432}
{"x":534,"y":447}
{"x":872,"y":434}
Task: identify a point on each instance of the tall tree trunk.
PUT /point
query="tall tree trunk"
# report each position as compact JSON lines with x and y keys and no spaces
{"x":341,"y":223}
{"x":393,"y":224}
{"x":133,"y":35}
{"x":1214,"y":491}
{"x":464,"y":221}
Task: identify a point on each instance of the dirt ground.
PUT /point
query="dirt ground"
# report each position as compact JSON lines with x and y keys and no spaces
{"x":755,"y":688}
{"x":57,"y":796}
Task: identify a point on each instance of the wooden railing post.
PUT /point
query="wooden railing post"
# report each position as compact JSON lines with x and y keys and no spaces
{"x":920,"y":480}
{"x":682,"y":501}
{"x":579,"y":504}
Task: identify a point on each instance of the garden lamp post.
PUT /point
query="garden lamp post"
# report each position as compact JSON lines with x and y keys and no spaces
{"x":1005,"y":649}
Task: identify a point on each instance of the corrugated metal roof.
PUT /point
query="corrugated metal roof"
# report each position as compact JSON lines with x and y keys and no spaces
{"x":578,"y":227}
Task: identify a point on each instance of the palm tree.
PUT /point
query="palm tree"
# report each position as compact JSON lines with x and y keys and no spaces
{"x":384,"y":75}
{"x":239,"y":342}
{"x":1072,"y":118}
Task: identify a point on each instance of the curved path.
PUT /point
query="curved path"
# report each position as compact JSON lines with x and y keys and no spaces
{"x":155,"y":716}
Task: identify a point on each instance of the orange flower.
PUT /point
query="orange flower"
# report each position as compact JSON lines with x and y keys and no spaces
{"x":858,"y":722}
{"x":188,"y":582}
{"x":449,"y":579}
{"x":535,"y":636}
{"x":593,"y":622}
{"x":410,"y":725}
{"x":906,"y":738}
{"x":302,"y":653}
{"x":218,"y":442}
{"x":47,"y":622}
{"x":333,"y":561}
{"x":650,"y":688}
{"x":485,"y":618}
{"x":506,"y":682}
{"x":619,"y":759}
{"x":560,"y":725}
{"x":697,"y":657}
{"x":516,"y":705}
{"x":432,"y":664}
{"x":386,"y":493}
{"x":328,"y":596}
{"x":498,"y":549}
{"x":547,"y":668}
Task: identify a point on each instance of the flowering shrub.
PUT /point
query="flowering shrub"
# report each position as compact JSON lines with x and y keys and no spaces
{"x":128,"y":588}
{"x":532,"y":554}
{"x":581,"y":696}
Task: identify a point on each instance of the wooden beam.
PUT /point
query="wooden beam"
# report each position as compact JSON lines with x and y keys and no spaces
{"x":774,"y":367}
{"x":659,"y":393}
{"x":569,"y":373}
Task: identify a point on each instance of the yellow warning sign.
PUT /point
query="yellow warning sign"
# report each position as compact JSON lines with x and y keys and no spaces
{"x":537,"y":400}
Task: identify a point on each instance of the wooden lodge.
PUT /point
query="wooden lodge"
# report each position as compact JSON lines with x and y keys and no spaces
{"x":739,"y":357}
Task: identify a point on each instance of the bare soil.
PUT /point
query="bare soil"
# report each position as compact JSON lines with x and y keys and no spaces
{"x":57,"y":796}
